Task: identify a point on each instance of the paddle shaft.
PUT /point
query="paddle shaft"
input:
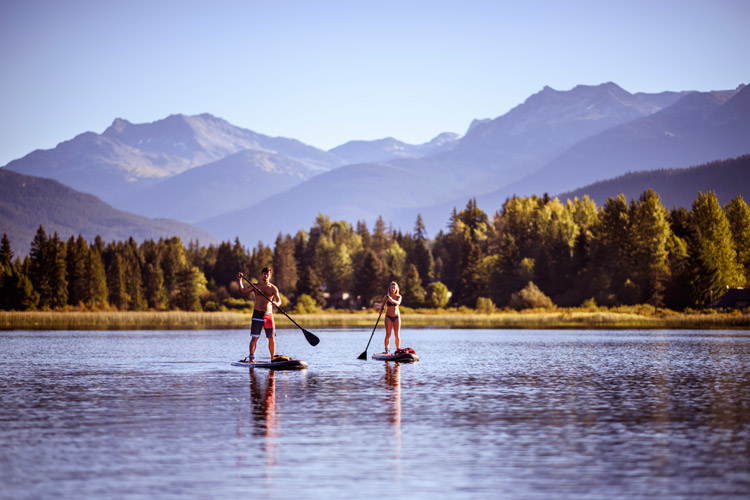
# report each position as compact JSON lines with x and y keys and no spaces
{"x":284,"y":313}
{"x":373,"y":333}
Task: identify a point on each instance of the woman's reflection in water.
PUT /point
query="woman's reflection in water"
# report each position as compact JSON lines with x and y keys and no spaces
{"x":393,"y":382}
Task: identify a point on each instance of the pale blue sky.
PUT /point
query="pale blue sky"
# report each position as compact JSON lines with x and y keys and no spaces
{"x":326,"y":72}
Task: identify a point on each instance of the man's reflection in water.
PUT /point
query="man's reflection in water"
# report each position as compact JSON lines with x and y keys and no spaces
{"x":264,"y":411}
{"x":393,"y":382}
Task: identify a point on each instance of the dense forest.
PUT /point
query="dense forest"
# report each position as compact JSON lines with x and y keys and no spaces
{"x":534,"y":252}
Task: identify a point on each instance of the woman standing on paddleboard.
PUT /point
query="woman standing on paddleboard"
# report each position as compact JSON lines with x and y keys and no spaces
{"x":392,"y":317}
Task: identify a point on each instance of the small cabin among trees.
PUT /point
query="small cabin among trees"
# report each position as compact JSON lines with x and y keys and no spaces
{"x":735,"y":298}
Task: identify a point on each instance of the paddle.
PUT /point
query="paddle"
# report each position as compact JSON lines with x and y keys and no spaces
{"x":364,"y":354}
{"x":311,"y":337}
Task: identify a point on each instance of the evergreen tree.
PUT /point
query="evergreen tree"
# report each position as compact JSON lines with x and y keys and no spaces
{"x":611,"y":251}
{"x":133,"y":275}
{"x":97,"y":278}
{"x":368,"y":282}
{"x":77,"y":258}
{"x":379,"y":237}
{"x":116,"y":287}
{"x":227,"y":266}
{"x":649,"y":233}
{"x":56,"y":253}
{"x":6,"y":253}
{"x":364,"y":233}
{"x":153,"y":286}
{"x":714,"y":237}
{"x":394,"y":262}
{"x":411,"y":290}
{"x":191,"y":284}
{"x":309,"y":284}
{"x":172,"y":260}
{"x":40,"y":269}
{"x":16,"y":291}
{"x":284,"y":265}
{"x":738,"y":215}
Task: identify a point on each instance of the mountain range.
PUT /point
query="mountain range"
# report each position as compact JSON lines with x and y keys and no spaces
{"x":232,"y":182}
{"x":26,"y":202}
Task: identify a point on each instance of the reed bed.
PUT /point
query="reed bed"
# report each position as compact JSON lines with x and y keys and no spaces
{"x":623,"y":318}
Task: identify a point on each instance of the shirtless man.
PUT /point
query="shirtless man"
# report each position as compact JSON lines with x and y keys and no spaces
{"x":263,"y":311}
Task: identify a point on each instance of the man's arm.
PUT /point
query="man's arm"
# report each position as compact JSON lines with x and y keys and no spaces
{"x":243,"y":288}
{"x":276,"y":298}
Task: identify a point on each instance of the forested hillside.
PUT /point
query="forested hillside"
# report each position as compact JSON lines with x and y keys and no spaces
{"x":676,"y":186}
{"x":27,"y":202}
{"x":534,"y":252}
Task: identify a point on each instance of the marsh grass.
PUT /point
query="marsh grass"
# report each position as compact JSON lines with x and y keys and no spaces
{"x":646,"y":317}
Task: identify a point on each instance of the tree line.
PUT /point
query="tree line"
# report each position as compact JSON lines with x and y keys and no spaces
{"x":534,"y":251}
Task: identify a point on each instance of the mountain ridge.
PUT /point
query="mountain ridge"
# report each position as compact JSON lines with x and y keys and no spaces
{"x":27,"y":202}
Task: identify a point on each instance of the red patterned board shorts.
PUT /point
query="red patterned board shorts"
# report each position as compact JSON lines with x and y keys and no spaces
{"x":263,"y":320}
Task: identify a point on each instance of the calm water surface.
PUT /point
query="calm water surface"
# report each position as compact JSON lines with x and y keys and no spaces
{"x":484,"y":414}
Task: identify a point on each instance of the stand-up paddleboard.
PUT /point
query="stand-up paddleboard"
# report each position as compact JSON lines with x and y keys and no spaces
{"x":406,"y":355}
{"x":280,"y":364}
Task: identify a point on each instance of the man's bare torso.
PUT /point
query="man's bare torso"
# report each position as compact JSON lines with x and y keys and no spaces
{"x":261,"y":303}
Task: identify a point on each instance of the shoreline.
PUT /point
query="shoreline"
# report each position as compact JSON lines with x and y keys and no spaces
{"x":620,"y":318}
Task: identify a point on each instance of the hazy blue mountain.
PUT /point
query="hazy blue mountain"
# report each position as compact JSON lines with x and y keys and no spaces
{"x":127,"y":158}
{"x":353,"y":192}
{"x":678,"y":187}
{"x":222,"y":186}
{"x":27,"y":201}
{"x":699,"y":128}
{"x":391,"y":149}
{"x":548,"y":123}
{"x":491,"y":155}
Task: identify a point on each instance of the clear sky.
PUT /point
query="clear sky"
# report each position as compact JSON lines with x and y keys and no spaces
{"x":326,"y":72}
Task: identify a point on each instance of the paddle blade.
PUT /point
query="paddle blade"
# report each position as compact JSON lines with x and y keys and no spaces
{"x":363,"y":356}
{"x":311,"y":337}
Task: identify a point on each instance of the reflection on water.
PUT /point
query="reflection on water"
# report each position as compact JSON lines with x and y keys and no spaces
{"x":393,"y":382}
{"x":484,"y":414}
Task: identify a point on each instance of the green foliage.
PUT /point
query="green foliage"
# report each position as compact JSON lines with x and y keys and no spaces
{"x":534,"y":252}
{"x":485,"y":305}
{"x":530,"y":297}
{"x":713,"y":240}
{"x":436,"y":295}
{"x":413,"y":294}
{"x":306,"y":305}
{"x":738,"y":216}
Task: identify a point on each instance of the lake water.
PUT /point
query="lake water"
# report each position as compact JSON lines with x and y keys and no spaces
{"x":517,"y":414}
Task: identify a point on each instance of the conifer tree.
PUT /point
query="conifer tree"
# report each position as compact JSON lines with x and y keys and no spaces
{"x":116,"y":286}
{"x":738,"y":215}
{"x":59,"y":284}
{"x":191,"y":285}
{"x":611,"y":251}
{"x":16,"y":291}
{"x":39,"y":268}
{"x":284,"y":265}
{"x":713,"y":240}
{"x":368,"y":281}
{"x":77,"y":258}
{"x":649,"y":233}
{"x":309,"y":284}
{"x":411,"y":290}
{"x":153,"y":286}
{"x":96,"y":275}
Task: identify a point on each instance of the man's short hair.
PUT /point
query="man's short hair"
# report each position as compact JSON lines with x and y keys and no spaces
{"x":267,"y":269}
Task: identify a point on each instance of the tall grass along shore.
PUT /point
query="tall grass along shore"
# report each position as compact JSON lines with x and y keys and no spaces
{"x":618,"y":318}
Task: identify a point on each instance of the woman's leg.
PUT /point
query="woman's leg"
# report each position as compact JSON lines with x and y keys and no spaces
{"x":396,"y":331}
{"x":388,"y":327}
